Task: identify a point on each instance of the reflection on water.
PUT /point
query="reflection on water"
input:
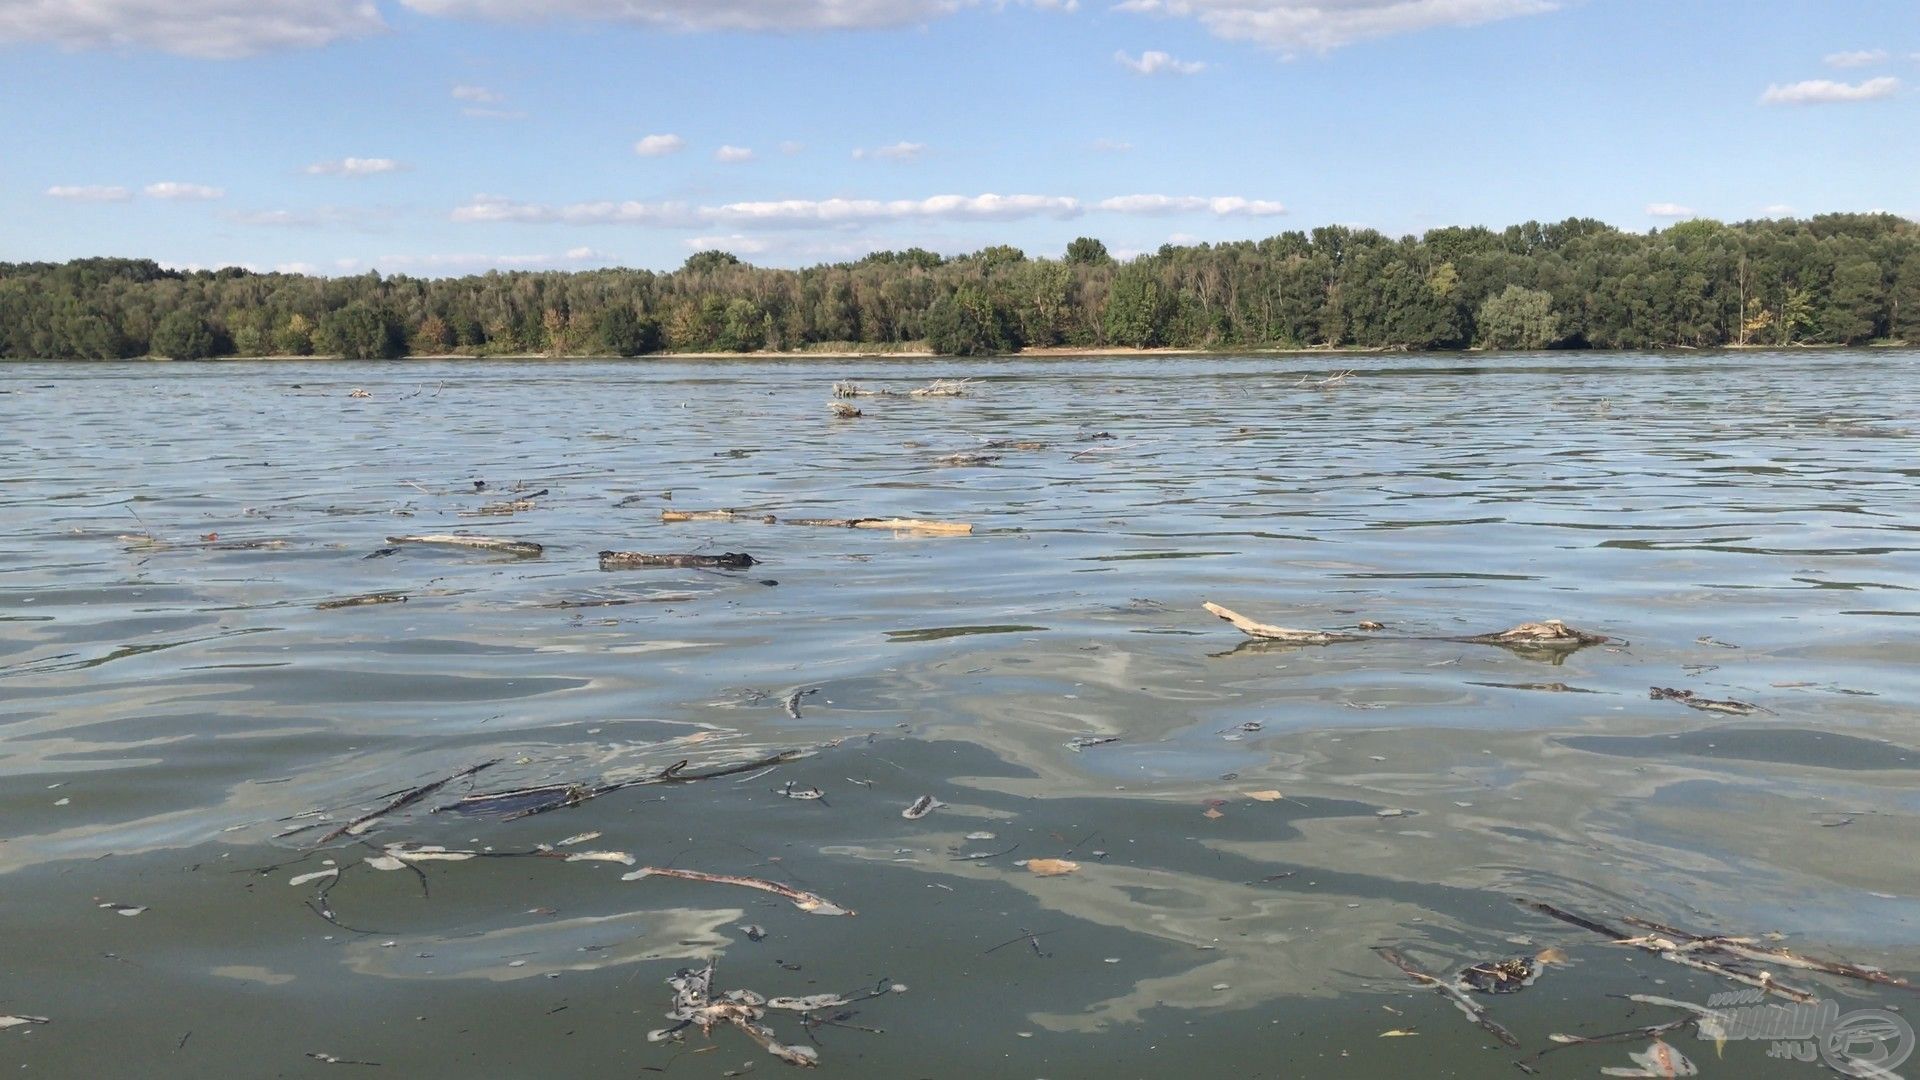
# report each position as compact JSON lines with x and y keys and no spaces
{"x":185,"y":699}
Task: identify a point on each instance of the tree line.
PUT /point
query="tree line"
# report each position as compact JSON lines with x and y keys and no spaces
{"x":1579,"y":283}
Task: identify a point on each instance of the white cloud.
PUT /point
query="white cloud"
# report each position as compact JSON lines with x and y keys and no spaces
{"x":207,"y":28}
{"x":733,"y":155}
{"x":1223,"y":205}
{"x":707,"y":14}
{"x":479,"y":95}
{"x":366,"y":218}
{"x":1828,"y":92}
{"x":1777,"y":210}
{"x":296,"y":267}
{"x":1110,"y":146}
{"x":1155,"y":62}
{"x":89,"y":192}
{"x":170,"y":189}
{"x":467,"y":262}
{"x":900,"y":151}
{"x":354,"y":166}
{"x":494,"y":114}
{"x":1322,"y":25}
{"x":1669,"y":210}
{"x":1857,"y":58}
{"x":837,"y":213}
{"x":659,"y":145}
{"x":736,"y":244}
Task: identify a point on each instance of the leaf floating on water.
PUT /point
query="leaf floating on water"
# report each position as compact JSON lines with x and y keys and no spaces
{"x":427,"y":853}
{"x":302,"y":879}
{"x":922,"y":806}
{"x":1213,"y":812}
{"x":792,"y":791}
{"x":129,"y":910}
{"x":1265,"y":796}
{"x":1051,"y":867}
{"x":21,"y":1021}
{"x":1397,"y":1033}
{"x":386,"y":862}
{"x":980,"y":836}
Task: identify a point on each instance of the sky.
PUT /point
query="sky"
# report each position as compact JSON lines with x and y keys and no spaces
{"x":441,"y":137}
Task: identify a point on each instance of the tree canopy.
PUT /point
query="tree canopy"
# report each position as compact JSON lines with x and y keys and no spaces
{"x":1834,"y":279}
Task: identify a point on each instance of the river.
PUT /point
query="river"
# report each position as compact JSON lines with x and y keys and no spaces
{"x":186,"y":709}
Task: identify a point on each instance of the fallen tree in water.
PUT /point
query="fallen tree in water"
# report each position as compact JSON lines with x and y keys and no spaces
{"x":1550,"y":635}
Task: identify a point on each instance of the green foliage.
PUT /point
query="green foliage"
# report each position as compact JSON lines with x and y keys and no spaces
{"x":1518,"y":318}
{"x":361,"y":332}
{"x":969,"y":323}
{"x":1086,"y":251}
{"x":1838,"y":278}
{"x":1138,"y":309}
{"x":624,"y":333}
{"x":182,"y":335}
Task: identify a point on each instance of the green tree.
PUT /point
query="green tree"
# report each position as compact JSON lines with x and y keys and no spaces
{"x":296,"y":337}
{"x":624,"y":333}
{"x":361,"y":332}
{"x":1086,"y":251}
{"x":1138,"y":309}
{"x":968,"y":323}
{"x":1518,"y":318}
{"x":743,"y":327}
{"x":182,"y":335}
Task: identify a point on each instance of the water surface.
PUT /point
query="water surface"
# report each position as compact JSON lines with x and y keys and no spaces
{"x":176,"y":690}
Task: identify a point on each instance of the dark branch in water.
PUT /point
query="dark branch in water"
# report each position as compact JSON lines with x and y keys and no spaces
{"x":406,"y":798}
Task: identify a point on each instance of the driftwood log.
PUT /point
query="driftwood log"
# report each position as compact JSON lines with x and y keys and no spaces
{"x":523,"y":549}
{"x":1550,"y":635}
{"x":640,"y":560}
{"x":945,"y":528}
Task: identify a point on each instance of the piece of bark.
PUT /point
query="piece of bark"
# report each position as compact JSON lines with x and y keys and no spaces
{"x":639,"y":560}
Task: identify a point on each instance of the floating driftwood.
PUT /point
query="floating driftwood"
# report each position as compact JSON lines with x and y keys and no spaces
{"x":943,"y":388}
{"x":811,"y":903}
{"x":714,"y":515}
{"x":843,"y":411}
{"x":966,"y":460}
{"x":847,"y":388}
{"x":922,"y":806}
{"x":405,"y":799}
{"x":951,"y":528}
{"x":523,"y":549}
{"x":1269,"y":632}
{"x":1550,"y":635}
{"x":1453,"y":992}
{"x":501,"y":509}
{"x":1685,"y":953}
{"x":637,"y":560}
{"x":21,"y":1021}
{"x":528,"y":801}
{"x":1705,"y":704}
{"x":954,"y":528}
{"x":1748,"y":949}
{"x":363,"y":600}
{"x":696,"y":1005}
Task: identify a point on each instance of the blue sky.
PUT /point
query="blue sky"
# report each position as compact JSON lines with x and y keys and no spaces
{"x":450,"y":136}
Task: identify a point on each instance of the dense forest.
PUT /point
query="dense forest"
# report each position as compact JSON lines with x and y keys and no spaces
{"x":1836,"y":279}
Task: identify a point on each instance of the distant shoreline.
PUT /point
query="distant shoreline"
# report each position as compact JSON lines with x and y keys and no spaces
{"x":1062,"y":352}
